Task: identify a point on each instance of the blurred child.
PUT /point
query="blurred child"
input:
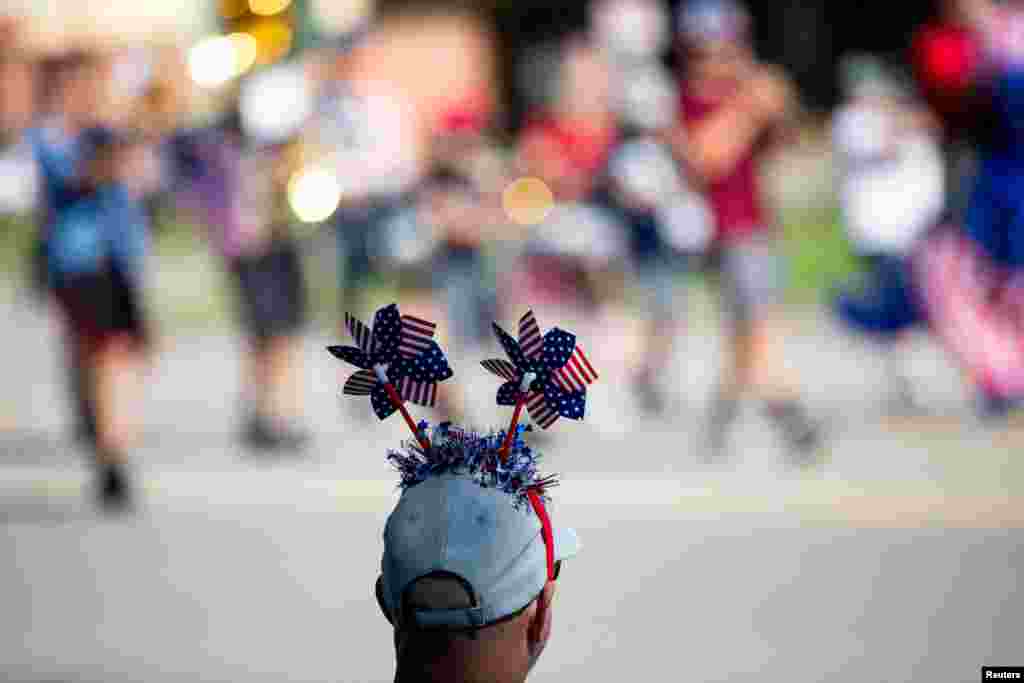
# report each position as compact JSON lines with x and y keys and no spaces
{"x":732,"y":107}
{"x":891,"y":187}
{"x":567,"y":145}
{"x":642,"y":178}
{"x":72,"y":97}
{"x":238,"y":191}
{"x":96,"y":251}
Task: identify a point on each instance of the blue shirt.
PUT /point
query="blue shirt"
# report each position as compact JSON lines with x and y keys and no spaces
{"x":100,"y":229}
{"x":58,"y":159}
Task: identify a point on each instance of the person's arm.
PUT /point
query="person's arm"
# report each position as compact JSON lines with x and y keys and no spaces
{"x":711,"y":148}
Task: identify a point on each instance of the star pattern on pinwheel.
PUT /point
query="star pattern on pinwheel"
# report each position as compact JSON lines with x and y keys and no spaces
{"x":560,"y":368}
{"x":402,"y":349}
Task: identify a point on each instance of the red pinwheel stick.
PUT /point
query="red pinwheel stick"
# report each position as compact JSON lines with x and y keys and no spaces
{"x":397,"y":401}
{"x":524,"y":388}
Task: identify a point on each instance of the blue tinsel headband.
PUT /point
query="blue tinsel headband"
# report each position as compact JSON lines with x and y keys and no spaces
{"x":465,"y":452}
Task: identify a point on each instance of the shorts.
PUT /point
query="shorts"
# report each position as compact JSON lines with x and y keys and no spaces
{"x":101,"y":307}
{"x":272,"y":292}
{"x":750,"y":276}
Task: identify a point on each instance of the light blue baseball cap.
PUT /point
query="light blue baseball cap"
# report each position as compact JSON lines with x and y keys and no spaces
{"x":452,"y":524}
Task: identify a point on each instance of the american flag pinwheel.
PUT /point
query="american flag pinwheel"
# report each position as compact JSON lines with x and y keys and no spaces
{"x":398,"y":361}
{"x":548,"y":374}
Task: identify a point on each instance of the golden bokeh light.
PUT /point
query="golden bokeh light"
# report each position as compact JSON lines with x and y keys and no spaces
{"x":268,"y":8}
{"x":233,"y":9}
{"x":528,"y":201}
{"x":274,"y":38}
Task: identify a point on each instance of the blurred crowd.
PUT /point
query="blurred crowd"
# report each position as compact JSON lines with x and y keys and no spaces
{"x":625,"y":176}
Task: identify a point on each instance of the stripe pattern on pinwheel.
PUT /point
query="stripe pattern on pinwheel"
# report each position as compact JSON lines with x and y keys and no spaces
{"x":562,"y":371}
{"x":405,"y":345}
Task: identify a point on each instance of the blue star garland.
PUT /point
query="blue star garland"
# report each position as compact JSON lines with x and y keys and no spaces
{"x":463,"y":452}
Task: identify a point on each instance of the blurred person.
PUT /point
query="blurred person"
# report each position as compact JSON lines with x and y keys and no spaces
{"x":96,"y":250}
{"x":237,"y":190}
{"x":371,"y":150}
{"x":732,"y":109}
{"x":469,"y":567}
{"x":460,"y":207}
{"x":566,"y":145}
{"x":995,"y":214}
{"x":642,"y":181}
{"x":891,"y":188}
{"x":463,"y":197}
{"x":72,"y":99}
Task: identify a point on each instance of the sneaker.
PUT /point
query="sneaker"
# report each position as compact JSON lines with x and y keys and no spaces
{"x":901,"y":401}
{"x":721,"y":416}
{"x":649,"y":395}
{"x":802,"y":434}
{"x":113,"y":489}
{"x":293,"y":439}
{"x":993,"y":409}
{"x":257,"y":435}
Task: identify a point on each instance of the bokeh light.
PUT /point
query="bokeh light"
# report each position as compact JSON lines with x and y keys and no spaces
{"x":268,"y":8}
{"x":274,"y":37}
{"x":528,"y":201}
{"x":214,"y":61}
{"x":314,"y":194}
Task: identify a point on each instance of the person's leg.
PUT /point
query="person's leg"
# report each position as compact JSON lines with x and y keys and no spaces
{"x":356,"y":226}
{"x":116,"y":389}
{"x":284,"y":394}
{"x":754,"y":286}
{"x":78,"y":385}
{"x":658,"y":288}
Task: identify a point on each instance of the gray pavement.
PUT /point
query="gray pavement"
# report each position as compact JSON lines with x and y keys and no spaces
{"x":897,"y":560}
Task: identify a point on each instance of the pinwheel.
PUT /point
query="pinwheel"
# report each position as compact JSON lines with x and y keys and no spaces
{"x":549,"y":374}
{"x":399,"y":361}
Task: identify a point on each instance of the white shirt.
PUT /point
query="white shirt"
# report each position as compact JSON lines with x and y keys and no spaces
{"x":891,"y":188}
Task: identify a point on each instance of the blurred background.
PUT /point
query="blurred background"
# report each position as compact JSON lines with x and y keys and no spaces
{"x":193,"y":194}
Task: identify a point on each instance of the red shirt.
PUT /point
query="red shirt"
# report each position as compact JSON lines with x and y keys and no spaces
{"x":735,"y":198}
{"x":577,"y":154}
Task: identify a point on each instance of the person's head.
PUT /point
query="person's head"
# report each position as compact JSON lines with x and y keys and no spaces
{"x":631,"y":30}
{"x":585,"y":87}
{"x":865,"y":78}
{"x":715,"y":39}
{"x":469,"y":566}
{"x":80,"y":88}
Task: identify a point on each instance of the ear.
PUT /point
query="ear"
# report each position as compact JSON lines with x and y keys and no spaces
{"x":539,"y":630}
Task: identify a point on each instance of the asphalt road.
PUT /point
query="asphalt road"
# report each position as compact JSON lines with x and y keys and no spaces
{"x":896,"y":560}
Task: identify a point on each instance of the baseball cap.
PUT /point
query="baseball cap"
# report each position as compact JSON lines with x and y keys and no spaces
{"x":452,"y":524}
{"x":709,"y":21}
